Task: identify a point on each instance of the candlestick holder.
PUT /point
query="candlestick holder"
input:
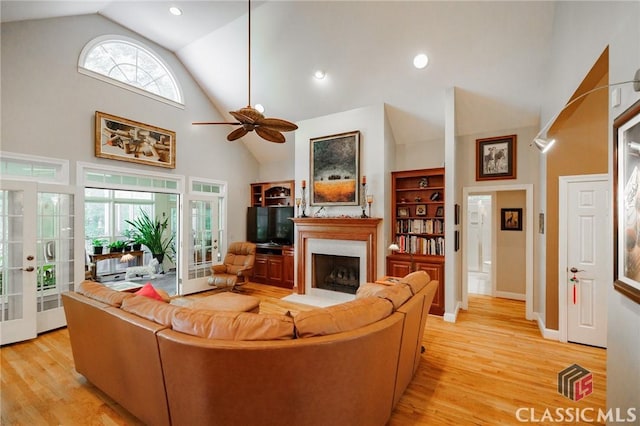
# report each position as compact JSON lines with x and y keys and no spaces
{"x":363,"y":197}
{"x":369,"y":202}
{"x":298,"y":201}
{"x":303,"y":202}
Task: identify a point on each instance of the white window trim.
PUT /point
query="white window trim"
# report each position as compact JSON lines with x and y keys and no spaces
{"x":61,"y":177}
{"x":84,"y":168}
{"x":112,"y":37}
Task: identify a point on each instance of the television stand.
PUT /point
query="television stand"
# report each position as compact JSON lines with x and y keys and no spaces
{"x":274,"y":265}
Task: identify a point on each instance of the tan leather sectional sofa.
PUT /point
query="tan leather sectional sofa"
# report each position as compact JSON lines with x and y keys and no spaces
{"x":343,"y":365}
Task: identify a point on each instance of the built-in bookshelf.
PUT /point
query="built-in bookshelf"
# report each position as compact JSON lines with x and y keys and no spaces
{"x":417,"y":217}
{"x":266,"y":194}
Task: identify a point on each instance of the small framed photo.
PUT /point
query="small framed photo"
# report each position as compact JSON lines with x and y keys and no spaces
{"x":440,"y":211}
{"x":421,"y":210}
{"x":496,"y":158}
{"x":511,"y":219}
{"x":403,"y":211}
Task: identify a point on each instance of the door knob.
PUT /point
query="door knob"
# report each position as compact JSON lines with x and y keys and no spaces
{"x":28,"y":269}
{"x":574,"y":270}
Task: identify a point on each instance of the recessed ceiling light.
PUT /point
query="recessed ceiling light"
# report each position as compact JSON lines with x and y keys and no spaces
{"x":175,"y":11}
{"x":319,"y":74}
{"x":259,"y":108}
{"x":420,"y":61}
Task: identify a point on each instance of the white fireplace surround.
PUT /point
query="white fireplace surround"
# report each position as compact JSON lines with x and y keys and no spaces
{"x":350,"y":248}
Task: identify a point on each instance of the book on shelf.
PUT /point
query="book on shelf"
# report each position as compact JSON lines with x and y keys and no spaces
{"x":433,"y":246}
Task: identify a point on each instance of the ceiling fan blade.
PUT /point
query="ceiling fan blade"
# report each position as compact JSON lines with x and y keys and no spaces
{"x":277,"y":124}
{"x":206,"y":123}
{"x":270,"y":134}
{"x":245,"y":116}
{"x":237,"y":134}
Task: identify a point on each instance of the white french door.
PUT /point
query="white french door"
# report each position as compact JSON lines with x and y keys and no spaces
{"x":202,"y":239}
{"x":37,"y":247}
{"x":17,"y":261}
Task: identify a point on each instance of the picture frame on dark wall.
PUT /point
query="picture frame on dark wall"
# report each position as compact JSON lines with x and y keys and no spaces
{"x":496,"y":158}
{"x":511,"y":219}
{"x":626,"y":178}
{"x":118,"y":138}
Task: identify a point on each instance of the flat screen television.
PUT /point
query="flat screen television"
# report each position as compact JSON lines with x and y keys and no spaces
{"x":270,"y":225}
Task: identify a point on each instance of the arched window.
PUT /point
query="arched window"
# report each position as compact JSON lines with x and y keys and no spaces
{"x":129,"y":64}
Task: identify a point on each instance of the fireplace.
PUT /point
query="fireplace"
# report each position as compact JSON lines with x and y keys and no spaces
{"x":335,"y":273}
{"x":352,"y":241}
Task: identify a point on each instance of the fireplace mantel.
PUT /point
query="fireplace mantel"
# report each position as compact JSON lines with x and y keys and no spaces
{"x":335,"y":228}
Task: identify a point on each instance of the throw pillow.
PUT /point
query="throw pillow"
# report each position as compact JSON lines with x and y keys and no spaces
{"x":148,"y":291}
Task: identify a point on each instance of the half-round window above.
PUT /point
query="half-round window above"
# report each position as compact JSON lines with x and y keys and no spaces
{"x":127,"y":63}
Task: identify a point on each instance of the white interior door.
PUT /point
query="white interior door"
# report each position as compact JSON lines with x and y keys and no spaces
{"x":588,"y":253}
{"x":17,"y":261}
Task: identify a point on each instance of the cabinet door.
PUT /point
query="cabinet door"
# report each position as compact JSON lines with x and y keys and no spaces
{"x":274,"y":270}
{"x":287,"y":268}
{"x":260,"y":268}
{"x":436,"y":272}
{"x":397,"y":268}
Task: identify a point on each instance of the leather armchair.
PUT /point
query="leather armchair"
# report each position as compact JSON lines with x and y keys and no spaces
{"x":237,"y":267}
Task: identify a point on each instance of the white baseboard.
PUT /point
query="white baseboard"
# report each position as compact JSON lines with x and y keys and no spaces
{"x":452,"y":316}
{"x":546,"y":333}
{"x":509,"y":295}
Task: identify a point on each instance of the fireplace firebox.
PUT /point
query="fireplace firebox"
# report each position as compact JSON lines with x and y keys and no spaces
{"x":336,"y":273}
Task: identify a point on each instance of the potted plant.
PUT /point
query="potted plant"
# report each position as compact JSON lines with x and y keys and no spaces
{"x":97,"y":244}
{"x":117,"y":246}
{"x":134,"y":240}
{"x":150,"y":232}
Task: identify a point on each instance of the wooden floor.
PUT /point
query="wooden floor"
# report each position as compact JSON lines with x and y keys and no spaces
{"x":478,"y":371}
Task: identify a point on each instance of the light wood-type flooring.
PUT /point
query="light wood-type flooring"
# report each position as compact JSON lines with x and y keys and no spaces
{"x":482,"y":370}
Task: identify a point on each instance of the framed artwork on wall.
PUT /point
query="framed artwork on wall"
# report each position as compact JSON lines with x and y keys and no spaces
{"x":122,"y":139}
{"x":335,"y":170}
{"x":511,"y":219}
{"x":496,"y":158}
{"x":626,"y":181}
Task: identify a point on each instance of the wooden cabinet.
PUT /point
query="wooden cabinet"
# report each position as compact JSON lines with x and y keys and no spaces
{"x":274,"y":265}
{"x":267,"y":194}
{"x":398,"y":266}
{"x":417,"y":225}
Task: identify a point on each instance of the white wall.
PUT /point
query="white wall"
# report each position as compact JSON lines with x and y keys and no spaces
{"x":371,"y":123}
{"x":48,"y":108}
{"x":582,"y":32}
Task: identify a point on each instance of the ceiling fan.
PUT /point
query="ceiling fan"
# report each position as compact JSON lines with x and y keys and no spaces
{"x":251,"y":119}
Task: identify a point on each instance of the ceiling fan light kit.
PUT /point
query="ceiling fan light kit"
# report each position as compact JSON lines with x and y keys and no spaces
{"x":249,"y":118}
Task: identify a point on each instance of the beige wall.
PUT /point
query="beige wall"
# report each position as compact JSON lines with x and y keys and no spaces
{"x":581,"y":135}
{"x":510,"y":258}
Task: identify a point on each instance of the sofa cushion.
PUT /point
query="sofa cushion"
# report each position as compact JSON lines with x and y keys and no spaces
{"x":151,"y":309}
{"x":149,"y":291}
{"x":416,"y":280}
{"x":232,"y":325}
{"x":343,"y":317}
{"x":396,"y":294}
{"x":99,"y":292}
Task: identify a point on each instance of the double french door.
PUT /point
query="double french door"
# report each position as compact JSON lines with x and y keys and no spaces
{"x":37,"y":246}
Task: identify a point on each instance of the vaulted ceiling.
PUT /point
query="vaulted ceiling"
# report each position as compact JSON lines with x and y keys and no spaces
{"x":494,"y":53}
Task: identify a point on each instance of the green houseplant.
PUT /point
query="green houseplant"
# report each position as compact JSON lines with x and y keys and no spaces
{"x":117,"y":246}
{"x":150,"y":232}
{"x":97,"y":245}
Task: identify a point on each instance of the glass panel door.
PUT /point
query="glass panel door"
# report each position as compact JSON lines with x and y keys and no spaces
{"x":55,"y":228}
{"x":17,"y":261}
{"x":202,"y":240}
